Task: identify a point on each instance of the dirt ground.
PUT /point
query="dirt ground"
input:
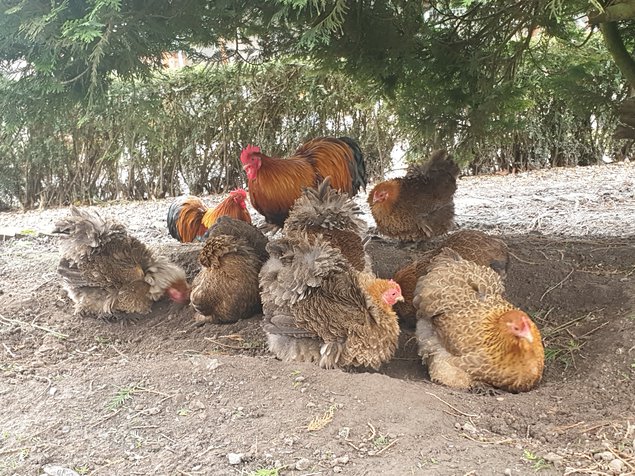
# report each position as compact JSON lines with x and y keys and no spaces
{"x":161,"y":396}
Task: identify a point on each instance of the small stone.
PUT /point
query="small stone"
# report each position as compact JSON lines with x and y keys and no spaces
{"x":337,"y":469}
{"x":340,"y":460}
{"x":52,"y":391}
{"x":469,"y":428}
{"x":299,"y":378}
{"x":508,"y":472}
{"x":288,"y":441}
{"x":66,"y":429}
{"x":604,"y":456}
{"x":616,"y":466}
{"x":197,"y":405}
{"x":311,"y":405}
{"x":553,"y":458}
{"x":457,"y":425}
{"x":235,"y":458}
{"x":302,"y":464}
{"x":54,"y":470}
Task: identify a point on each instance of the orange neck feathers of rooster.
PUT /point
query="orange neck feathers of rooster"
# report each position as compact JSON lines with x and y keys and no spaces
{"x":233,"y":206}
{"x":275,"y":184}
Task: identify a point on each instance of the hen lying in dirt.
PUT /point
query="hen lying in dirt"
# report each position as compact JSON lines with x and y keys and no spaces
{"x":226,"y":288}
{"x":421,"y":204}
{"x":319,"y":308}
{"x":472,"y":245}
{"x":105,"y":271}
{"x":468,"y":334}
{"x":336,"y":217}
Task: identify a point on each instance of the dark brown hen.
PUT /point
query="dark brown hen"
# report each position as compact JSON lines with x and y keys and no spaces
{"x":421,"y":204}
{"x":226,"y":288}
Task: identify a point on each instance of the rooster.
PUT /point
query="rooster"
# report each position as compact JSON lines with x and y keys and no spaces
{"x":468,"y":334}
{"x":421,"y":204}
{"x":275,"y":184}
{"x":226,"y":288}
{"x":105,"y":271}
{"x":336,"y":217}
{"x":318,"y":308}
{"x":472,"y":245}
{"x":189,"y":218}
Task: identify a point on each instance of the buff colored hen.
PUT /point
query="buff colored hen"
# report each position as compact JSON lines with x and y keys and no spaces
{"x":468,"y":334}
{"x":472,"y":245}
{"x":318,"y":308}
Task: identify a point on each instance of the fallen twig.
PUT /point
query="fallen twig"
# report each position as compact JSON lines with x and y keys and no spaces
{"x":556,"y":285}
{"x":54,"y":333}
{"x":452,"y":407}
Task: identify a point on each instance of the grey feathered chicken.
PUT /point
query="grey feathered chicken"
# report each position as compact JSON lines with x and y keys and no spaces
{"x":106,"y":271}
{"x":335,"y":216}
{"x":226,"y":288}
{"x":319,"y":308}
{"x":472,"y":245}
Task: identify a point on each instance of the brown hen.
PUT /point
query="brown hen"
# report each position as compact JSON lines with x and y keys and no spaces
{"x":472,"y":245}
{"x":468,"y":334}
{"x":105,"y":271}
{"x":318,"y":308}
{"x":421,"y":204}
{"x":226,"y":288}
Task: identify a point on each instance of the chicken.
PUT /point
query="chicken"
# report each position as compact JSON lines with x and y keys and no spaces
{"x":421,"y":204}
{"x":472,"y":245}
{"x":336,"y":217}
{"x":226,"y":288}
{"x":468,"y":334}
{"x":189,"y":218}
{"x":275,"y":184}
{"x":318,"y":308}
{"x":105,"y":271}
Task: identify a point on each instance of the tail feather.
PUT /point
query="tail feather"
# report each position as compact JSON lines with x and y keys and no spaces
{"x":327,"y":208}
{"x":440,"y":163}
{"x":358,"y":167}
{"x":185,"y":217}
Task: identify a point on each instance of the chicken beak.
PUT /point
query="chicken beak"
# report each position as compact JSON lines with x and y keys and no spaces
{"x":400,"y":299}
{"x":527,"y":335}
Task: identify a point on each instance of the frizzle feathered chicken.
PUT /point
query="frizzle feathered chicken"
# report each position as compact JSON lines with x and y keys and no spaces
{"x":334,"y":216}
{"x":472,"y":245}
{"x":226,"y":288}
{"x":468,"y":334}
{"x":314,"y":300}
{"x":421,"y":204}
{"x":106,"y":271}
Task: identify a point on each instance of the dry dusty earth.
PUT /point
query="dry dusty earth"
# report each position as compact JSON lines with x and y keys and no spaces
{"x":160,"y":396}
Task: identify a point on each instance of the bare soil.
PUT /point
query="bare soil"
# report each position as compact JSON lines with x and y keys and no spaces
{"x":162,"y":396}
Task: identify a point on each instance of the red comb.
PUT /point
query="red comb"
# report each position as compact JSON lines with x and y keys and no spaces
{"x":247,"y":151}
{"x":239,"y":191}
